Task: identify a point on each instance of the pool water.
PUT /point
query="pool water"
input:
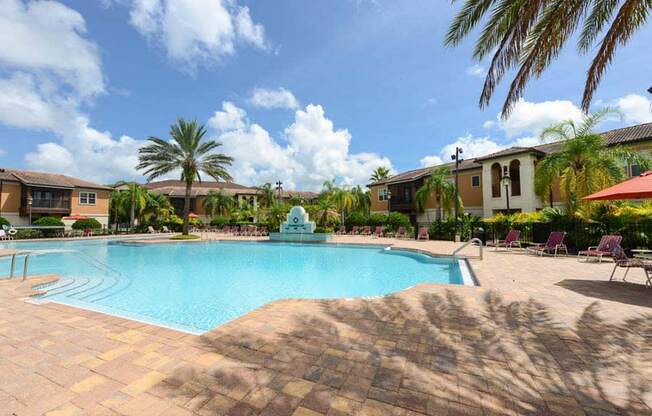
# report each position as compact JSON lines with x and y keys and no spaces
{"x":195,"y":287}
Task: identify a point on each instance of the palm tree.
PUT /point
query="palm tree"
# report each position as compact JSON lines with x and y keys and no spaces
{"x":380,"y":173}
{"x":185,"y":152}
{"x":584,"y":164}
{"x":362,"y":200}
{"x":218,"y":203}
{"x":134,"y":196}
{"x":157,"y":206}
{"x":343,"y":200}
{"x":266,"y":195}
{"x":441,"y":188}
{"x":529,"y":34}
{"x":118,"y":206}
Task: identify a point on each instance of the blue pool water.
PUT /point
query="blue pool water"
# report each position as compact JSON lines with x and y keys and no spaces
{"x":198,"y":286}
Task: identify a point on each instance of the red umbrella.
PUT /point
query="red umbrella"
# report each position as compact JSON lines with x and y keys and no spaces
{"x":75,"y":217}
{"x":639,"y":187}
{"x":193,"y":215}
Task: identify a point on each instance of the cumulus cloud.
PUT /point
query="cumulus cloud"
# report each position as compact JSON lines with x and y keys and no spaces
{"x":196,"y":31}
{"x":279,"y":98}
{"x":531,"y":118}
{"x":476,"y":70}
{"x":431,"y":160}
{"x":51,"y":70}
{"x":635,"y":108}
{"x":312,"y":152}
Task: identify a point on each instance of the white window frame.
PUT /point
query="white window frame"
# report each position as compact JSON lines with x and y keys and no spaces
{"x":479,"y":182}
{"x":382,"y":194}
{"x":86,"y":195}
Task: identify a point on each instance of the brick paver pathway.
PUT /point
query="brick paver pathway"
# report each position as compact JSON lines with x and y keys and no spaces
{"x":541,"y":336}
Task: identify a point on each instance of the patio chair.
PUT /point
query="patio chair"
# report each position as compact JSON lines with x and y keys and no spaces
{"x":151,"y":230}
{"x":604,"y":248}
{"x":553,"y":245}
{"x":355,"y":230}
{"x":88,"y":232}
{"x":621,"y":260}
{"x":263,"y":231}
{"x":423,"y":234}
{"x":165,"y":229}
{"x":341,"y":230}
{"x":401,"y":233}
{"x":4,"y":235}
{"x":511,"y":240}
{"x":366,"y":230}
{"x":379,"y":232}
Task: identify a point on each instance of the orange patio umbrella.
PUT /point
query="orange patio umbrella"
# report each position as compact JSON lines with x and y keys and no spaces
{"x":193,"y":215}
{"x":639,"y":187}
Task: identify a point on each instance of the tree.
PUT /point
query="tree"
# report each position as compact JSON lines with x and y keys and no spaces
{"x":218,"y":203}
{"x":185,"y":152}
{"x":266,"y":195}
{"x":529,"y":34}
{"x":157,"y":206}
{"x":584,"y":164}
{"x":441,"y":188}
{"x":134,"y":197}
{"x":343,"y":201}
{"x":380,"y":173}
{"x":362,"y":198}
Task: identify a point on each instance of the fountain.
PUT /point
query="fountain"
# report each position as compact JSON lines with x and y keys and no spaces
{"x":297,"y":227}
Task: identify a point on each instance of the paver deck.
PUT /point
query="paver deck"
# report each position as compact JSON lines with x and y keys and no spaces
{"x":540,"y":336}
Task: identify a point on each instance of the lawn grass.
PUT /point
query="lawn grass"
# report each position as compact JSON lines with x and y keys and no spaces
{"x":184,"y":237}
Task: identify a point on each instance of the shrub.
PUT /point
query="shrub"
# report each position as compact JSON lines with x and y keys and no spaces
{"x":86,"y":224}
{"x":26,"y":233}
{"x":219,"y":222}
{"x":396,"y":220}
{"x":355,"y":219}
{"x":184,"y":237}
{"x":376,"y":220}
{"x":324,"y":230}
{"x":4,"y":221}
{"x":49,"y":222}
{"x":195,"y":222}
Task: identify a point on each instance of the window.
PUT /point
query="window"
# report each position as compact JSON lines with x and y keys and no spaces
{"x":382,"y":194}
{"x":475,"y":181}
{"x":87,"y":198}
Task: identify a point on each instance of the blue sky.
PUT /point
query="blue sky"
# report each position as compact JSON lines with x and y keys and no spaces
{"x":300,"y":91}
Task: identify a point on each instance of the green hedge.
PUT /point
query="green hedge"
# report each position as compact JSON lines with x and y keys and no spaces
{"x":219,"y":222}
{"x":87,"y":224}
{"x":49,"y":222}
{"x":392,"y":221}
{"x":4,"y":221}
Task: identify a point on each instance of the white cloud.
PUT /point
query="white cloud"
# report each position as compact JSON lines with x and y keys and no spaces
{"x":476,"y":70}
{"x":2,"y":152}
{"x":489,"y":124}
{"x":635,"y":108}
{"x":312,"y":153}
{"x":279,"y":98}
{"x":531,"y":118}
{"x":431,"y":160}
{"x":196,"y":31}
{"x":52,"y":70}
{"x":472,"y":147}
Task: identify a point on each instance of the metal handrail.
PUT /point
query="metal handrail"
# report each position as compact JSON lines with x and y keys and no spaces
{"x":471,"y":241}
{"x":25,"y":264}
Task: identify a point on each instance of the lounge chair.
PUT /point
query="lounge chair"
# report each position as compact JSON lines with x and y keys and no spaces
{"x":366,"y":230}
{"x":511,"y":240}
{"x":88,"y":232}
{"x":401,"y":233}
{"x":151,"y":230}
{"x":604,"y":248}
{"x":423,"y":234}
{"x":379,"y":232}
{"x":621,"y":260}
{"x":354,"y":231}
{"x":165,"y":229}
{"x":341,"y":230}
{"x":4,"y":235}
{"x":553,"y":245}
{"x":262,"y":231}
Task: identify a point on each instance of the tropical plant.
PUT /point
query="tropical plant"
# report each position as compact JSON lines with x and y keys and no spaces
{"x":185,"y":152}
{"x":380,"y":173}
{"x":362,"y":200}
{"x":134,"y":197}
{"x":529,"y":34}
{"x":276,"y":215}
{"x":49,"y":222}
{"x":218,"y":203}
{"x":86,"y":224}
{"x":438,"y":186}
{"x":584,"y":164}
{"x":157,"y":207}
{"x":266,"y":195}
{"x":343,"y":200}
{"x":4,"y":222}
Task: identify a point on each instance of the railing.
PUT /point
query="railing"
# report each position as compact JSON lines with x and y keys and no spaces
{"x":25,"y":264}
{"x":471,"y":241}
{"x":50,"y":203}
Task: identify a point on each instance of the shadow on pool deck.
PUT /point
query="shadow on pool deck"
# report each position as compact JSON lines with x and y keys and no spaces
{"x":431,"y":353}
{"x":621,"y":292}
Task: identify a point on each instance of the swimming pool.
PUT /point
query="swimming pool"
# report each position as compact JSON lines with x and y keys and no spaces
{"x":195,"y":287}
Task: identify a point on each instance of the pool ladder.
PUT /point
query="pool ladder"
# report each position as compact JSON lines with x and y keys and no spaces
{"x":12,"y":272}
{"x":468,"y":243}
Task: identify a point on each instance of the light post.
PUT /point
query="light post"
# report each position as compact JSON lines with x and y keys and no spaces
{"x":30,"y":201}
{"x":506,"y":181}
{"x":1,"y":184}
{"x":279,"y":189}
{"x":457,"y":159}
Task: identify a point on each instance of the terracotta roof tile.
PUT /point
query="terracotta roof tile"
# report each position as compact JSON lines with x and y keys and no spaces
{"x":48,"y":179}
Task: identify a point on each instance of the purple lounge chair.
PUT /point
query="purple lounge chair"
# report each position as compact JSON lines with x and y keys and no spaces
{"x":423,"y":234}
{"x":604,"y":248}
{"x":554,"y":244}
{"x":511,"y":240}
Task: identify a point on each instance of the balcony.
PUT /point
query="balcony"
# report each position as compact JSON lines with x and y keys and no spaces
{"x":51,"y":204}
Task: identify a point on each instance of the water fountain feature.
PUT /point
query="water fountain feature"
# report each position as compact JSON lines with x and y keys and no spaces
{"x":297,"y":227}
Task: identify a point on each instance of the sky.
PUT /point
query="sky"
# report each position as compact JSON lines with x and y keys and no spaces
{"x":297,"y":91}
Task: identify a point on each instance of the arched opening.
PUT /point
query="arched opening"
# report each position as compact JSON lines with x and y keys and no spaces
{"x":515,"y":176}
{"x":496,"y":175}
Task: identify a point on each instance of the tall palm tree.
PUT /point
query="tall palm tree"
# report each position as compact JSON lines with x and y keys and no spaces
{"x":362,"y":200}
{"x":185,"y":152}
{"x":157,"y":206}
{"x":118,"y":206}
{"x":441,"y":188}
{"x":380,"y":173}
{"x":343,"y":201}
{"x":135,"y":196}
{"x":266,"y":195}
{"x":529,"y":34}
{"x":584,"y":164}
{"x":218,"y":203}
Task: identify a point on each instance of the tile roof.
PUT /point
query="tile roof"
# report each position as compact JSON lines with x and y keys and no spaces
{"x":629,"y":134}
{"x":414,"y":174}
{"x":46,"y":179}
{"x":178,"y":188}
{"x":300,"y":194}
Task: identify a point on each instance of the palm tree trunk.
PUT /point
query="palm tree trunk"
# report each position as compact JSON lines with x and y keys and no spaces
{"x":186,"y":209}
{"x":132,"y":210}
{"x":437,"y":208}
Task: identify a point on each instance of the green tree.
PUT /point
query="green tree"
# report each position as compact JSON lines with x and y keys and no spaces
{"x":584,"y":164}
{"x":362,"y":198}
{"x":380,"y":173}
{"x":441,"y":188}
{"x":185,"y":152}
{"x":218,"y":203}
{"x":157,"y":207}
{"x":343,"y":201}
{"x":133,"y":199}
{"x":527,"y":35}
{"x":266,"y":195}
